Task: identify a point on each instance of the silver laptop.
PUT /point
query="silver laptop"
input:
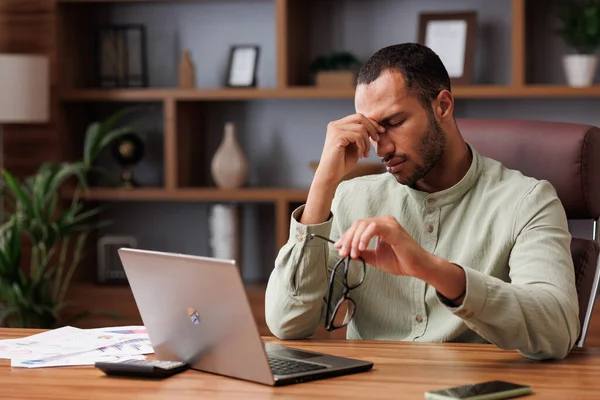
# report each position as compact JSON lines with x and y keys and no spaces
{"x":195,"y":310}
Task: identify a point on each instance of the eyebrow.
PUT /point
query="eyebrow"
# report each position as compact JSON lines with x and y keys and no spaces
{"x":387,"y":119}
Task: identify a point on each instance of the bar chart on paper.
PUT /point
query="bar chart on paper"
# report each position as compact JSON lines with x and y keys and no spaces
{"x":132,"y":346}
{"x":72,"y":346}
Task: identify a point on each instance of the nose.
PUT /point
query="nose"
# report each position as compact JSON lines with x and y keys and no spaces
{"x":384,"y":146}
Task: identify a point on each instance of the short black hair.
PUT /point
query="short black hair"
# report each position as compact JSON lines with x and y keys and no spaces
{"x":424,"y":73}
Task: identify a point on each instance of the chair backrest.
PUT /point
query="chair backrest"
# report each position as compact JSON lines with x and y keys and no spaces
{"x":568,"y":156}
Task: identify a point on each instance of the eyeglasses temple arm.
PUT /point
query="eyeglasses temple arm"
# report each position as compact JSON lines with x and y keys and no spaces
{"x":314,"y":235}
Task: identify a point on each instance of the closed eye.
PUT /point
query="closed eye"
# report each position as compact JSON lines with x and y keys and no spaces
{"x":395,"y":124}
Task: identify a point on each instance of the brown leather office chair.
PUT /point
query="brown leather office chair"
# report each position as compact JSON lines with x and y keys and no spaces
{"x":568,"y":156}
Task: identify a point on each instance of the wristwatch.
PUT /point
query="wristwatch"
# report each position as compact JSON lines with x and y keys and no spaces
{"x":450,"y":302}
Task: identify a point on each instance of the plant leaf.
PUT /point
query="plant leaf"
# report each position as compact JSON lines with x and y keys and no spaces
{"x":6,"y":313}
{"x":91,"y":138}
{"x":17,"y":190}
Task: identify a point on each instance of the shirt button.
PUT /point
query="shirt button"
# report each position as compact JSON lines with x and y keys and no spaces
{"x":430,"y":228}
{"x":430,"y":201}
{"x":301,"y":231}
{"x":419,"y":319}
{"x":300,"y":238}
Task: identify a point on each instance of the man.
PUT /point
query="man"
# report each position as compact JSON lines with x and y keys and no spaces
{"x":457,"y":247}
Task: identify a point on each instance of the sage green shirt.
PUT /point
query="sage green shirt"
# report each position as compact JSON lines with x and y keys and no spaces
{"x":507,"y":231}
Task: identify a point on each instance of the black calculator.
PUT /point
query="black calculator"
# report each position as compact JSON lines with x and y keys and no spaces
{"x":142,"y":368}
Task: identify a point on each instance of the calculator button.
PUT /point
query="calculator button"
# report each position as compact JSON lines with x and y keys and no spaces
{"x":170,"y":364}
{"x":151,"y":363}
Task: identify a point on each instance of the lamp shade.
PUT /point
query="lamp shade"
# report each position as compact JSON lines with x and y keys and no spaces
{"x":24,"y":88}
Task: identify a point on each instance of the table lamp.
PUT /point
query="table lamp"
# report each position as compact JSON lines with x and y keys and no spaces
{"x":24,"y":91}
{"x":24,"y":95}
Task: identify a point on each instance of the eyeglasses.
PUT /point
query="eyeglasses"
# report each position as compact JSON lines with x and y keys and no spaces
{"x":354,"y":275}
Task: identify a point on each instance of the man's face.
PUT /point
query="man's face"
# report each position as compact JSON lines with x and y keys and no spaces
{"x":413,"y":141}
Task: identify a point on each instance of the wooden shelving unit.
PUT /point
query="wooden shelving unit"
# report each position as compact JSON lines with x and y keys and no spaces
{"x":460,"y":92}
{"x":204,"y":94}
{"x":63,"y":29}
{"x":249,"y":195}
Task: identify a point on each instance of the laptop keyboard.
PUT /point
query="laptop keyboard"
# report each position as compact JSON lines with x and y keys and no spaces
{"x":281,"y":366}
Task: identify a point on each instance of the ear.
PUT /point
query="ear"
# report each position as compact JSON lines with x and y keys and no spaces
{"x":444,"y":106}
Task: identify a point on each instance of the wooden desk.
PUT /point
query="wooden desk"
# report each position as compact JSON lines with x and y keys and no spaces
{"x":401,"y":371}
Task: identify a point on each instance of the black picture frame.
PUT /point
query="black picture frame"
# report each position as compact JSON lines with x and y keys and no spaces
{"x":243,"y":66}
{"x":121,"y":56}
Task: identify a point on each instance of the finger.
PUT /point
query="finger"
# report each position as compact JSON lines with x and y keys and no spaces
{"x":366,"y":235}
{"x":352,"y":118}
{"x":387,"y":229}
{"x":372,"y":126}
{"x":366,"y":145}
{"x":370,"y":133}
{"x":362,"y":130}
{"x":380,"y":128}
{"x":358,"y":233}
{"x":363,"y":120}
{"x":357,"y":139}
{"x":346,"y":240}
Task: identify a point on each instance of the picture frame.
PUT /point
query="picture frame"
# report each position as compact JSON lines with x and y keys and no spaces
{"x":243,"y":65}
{"x":121,"y":58}
{"x":452,"y":37}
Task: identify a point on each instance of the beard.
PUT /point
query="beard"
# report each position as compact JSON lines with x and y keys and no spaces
{"x":432,"y":147}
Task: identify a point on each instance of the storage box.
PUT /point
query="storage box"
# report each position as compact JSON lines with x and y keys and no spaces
{"x":335,"y":79}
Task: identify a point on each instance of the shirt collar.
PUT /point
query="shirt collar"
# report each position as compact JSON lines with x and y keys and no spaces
{"x":454,"y":193}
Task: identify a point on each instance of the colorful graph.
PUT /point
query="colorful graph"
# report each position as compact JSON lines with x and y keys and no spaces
{"x":33,"y":362}
{"x":105,"y":337}
{"x":27,"y":343}
{"x":129,"y":331}
{"x":133,"y":344}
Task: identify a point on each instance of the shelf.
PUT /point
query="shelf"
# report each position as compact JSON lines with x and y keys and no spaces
{"x":109,"y":1}
{"x":246,"y":195}
{"x":202,"y":94}
{"x":115,"y":95}
{"x":557,"y":91}
{"x":473,"y":92}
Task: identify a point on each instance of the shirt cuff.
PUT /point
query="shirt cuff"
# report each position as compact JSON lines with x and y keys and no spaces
{"x":300,"y":233}
{"x":475,"y":297}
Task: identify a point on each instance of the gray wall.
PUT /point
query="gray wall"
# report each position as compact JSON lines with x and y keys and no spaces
{"x":280,"y":137}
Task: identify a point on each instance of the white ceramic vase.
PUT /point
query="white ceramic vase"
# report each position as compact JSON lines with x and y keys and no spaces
{"x":580,"y":69}
{"x":229,"y":167}
{"x":224,"y":226}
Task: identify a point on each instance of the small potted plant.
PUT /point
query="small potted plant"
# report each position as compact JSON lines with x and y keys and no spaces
{"x":580,"y":29}
{"x":335,"y":69}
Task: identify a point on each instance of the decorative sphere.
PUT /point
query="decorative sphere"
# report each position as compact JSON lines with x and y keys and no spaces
{"x":128,"y":149}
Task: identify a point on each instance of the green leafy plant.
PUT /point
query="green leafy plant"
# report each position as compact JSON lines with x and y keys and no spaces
{"x":580,"y":24}
{"x":335,"y":62}
{"x":35,"y":220}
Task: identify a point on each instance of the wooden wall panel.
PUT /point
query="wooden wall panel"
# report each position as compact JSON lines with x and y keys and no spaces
{"x":28,"y":26}
{"x":292,"y":42}
{"x":27,"y":6}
